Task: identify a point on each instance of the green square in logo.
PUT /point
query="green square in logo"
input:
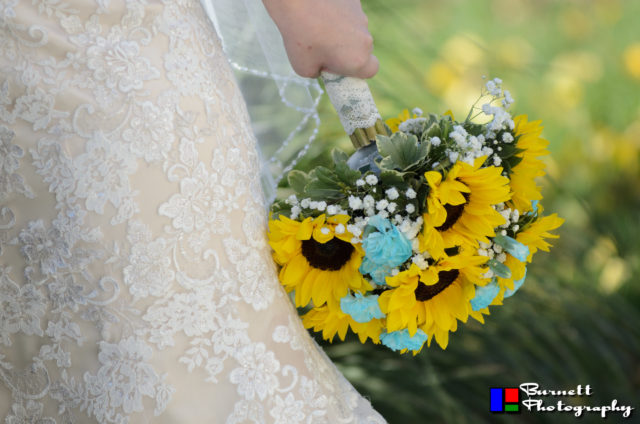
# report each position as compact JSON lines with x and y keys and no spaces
{"x":511,"y":408}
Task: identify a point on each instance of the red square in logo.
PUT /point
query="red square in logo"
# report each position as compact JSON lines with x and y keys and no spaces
{"x":511,"y":395}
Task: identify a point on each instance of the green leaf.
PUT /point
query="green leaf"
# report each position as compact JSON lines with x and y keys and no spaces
{"x":422,"y":192}
{"x":298,"y":180}
{"x":325,"y":175}
{"x":401,"y":151}
{"x":346,"y":174}
{"x":433,"y":130}
{"x":280,"y":207}
{"x":338,"y":156}
{"x":509,"y":150}
{"x":324,"y":184}
{"x":432,"y":118}
{"x":392,"y":178}
{"x":319,"y":190}
{"x":386,"y":163}
{"x":509,"y":163}
{"x":474,"y":129}
{"x":501,"y":270}
{"x":432,"y":127}
{"x":446,"y":126}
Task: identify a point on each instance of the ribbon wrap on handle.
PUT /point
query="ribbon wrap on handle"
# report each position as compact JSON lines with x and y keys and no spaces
{"x":354,"y":103}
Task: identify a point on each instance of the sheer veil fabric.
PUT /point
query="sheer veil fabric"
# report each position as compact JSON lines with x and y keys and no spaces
{"x":136,"y":283}
{"x":283,"y":106}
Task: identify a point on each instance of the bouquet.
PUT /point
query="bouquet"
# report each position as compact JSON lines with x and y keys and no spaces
{"x":438,"y":227}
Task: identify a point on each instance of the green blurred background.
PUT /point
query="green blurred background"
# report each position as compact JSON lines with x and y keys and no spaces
{"x":576,"y":66}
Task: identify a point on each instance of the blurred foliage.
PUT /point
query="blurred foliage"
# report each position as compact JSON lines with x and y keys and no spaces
{"x":575,"y":65}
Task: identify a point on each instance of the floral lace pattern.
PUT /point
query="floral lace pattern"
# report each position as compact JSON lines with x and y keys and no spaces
{"x":136,"y":283}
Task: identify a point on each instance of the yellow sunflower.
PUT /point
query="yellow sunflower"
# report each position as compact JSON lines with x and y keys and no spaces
{"x":533,"y":237}
{"x":318,"y":260}
{"x":394,"y":123}
{"x":434,"y":299}
{"x":331,"y":320}
{"x":530,"y":167}
{"x":459,"y":208}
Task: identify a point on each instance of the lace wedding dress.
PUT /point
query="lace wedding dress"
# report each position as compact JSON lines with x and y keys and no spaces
{"x":136,"y":283}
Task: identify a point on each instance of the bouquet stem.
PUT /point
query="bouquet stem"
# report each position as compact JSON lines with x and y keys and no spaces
{"x":364,"y":136}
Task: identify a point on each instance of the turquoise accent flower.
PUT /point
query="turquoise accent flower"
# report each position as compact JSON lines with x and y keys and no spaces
{"x":361,"y":308}
{"x":534,"y":206}
{"x":400,"y":340}
{"x":384,"y":249}
{"x":485,"y":295}
{"x":513,"y":247}
{"x":516,"y":285}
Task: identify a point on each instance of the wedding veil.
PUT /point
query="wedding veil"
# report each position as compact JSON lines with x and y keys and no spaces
{"x":282,"y":105}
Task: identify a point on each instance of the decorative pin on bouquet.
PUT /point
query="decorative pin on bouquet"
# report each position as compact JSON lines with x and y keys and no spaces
{"x":436,"y":223}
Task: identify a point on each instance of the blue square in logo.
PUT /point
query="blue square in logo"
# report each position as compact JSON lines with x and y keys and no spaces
{"x":497,"y":400}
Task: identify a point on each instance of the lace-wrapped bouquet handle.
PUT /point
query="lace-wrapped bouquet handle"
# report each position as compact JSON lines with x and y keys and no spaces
{"x":359,"y":116}
{"x":356,"y":108}
{"x":436,"y":224}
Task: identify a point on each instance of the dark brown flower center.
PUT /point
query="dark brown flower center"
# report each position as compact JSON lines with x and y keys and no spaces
{"x":445,"y":278}
{"x":329,"y":256}
{"x":454,"y":212}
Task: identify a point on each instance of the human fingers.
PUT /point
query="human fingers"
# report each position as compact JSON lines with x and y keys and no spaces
{"x":352,"y":56}
{"x":369,"y":69}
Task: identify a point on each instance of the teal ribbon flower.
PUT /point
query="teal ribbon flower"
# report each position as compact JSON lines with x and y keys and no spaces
{"x":361,"y":308}
{"x":513,"y":247}
{"x":400,"y":340}
{"x":485,"y":295}
{"x":534,"y":206}
{"x":385,"y":248}
{"x":516,"y":285}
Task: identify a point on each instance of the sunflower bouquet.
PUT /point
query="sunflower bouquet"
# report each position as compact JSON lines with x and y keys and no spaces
{"x":438,"y":228}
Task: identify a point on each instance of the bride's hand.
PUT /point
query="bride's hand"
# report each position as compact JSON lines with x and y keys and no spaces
{"x":329,"y":35}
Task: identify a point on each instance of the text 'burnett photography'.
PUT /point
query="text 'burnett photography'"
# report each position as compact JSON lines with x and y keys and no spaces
{"x":536,"y":403}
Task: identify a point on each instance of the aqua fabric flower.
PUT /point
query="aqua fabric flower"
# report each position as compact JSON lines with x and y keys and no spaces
{"x":400,"y":340}
{"x":513,"y":247}
{"x":485,"y":295}
{"x":516,"y":285}
{"x":384,"y":249}
{"x":534,"y":206}
{"x":361,"y":308}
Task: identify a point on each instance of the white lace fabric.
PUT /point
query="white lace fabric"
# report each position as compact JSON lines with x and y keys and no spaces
{"x":136,"y":283}
{"x":353,"y":101}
